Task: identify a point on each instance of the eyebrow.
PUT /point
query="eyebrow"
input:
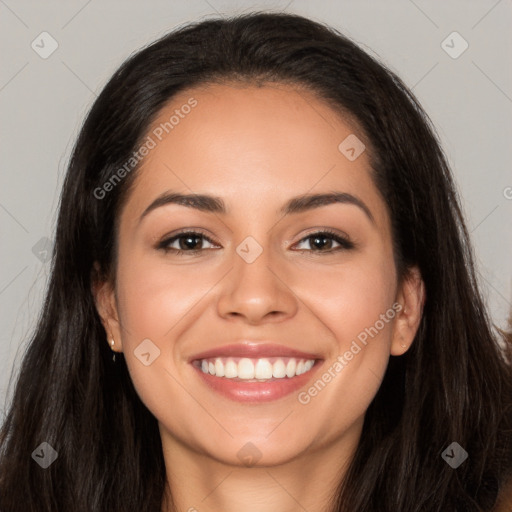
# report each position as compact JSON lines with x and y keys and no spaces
{"x":299,"y":204}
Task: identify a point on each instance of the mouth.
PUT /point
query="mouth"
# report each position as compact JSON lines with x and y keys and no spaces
{"x":254,"y":370}
{"x":240,"y":373}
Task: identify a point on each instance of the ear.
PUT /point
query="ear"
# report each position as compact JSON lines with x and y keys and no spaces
{"x":411,"y":296}
{"x":106,"y":304}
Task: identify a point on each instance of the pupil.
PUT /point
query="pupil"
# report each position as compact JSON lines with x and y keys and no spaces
{"x":186,"y":241}
{"x":317,"y":238}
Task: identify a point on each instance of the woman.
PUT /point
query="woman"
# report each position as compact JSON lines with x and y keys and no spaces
{"x":259,"y":224}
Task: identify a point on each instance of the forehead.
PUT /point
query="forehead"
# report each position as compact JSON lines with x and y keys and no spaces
{"x":254,"y":146}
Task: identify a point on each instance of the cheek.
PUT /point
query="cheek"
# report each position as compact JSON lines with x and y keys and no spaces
{"x":155,"y":302}
{"x":154,"y":296}
{"x":160,"y":301}
{"x":350,"y":299}
{"x":355,"y":307}
{"x":354,"y":304}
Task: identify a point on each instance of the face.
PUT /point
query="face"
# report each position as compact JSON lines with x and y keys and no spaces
{"x":241,"y":319}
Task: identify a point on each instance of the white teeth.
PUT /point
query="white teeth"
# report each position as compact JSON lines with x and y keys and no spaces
{"x":291,"y":367}
{"x":279,"y":370}
{"x":230,"y":369}
{"x":263,"y":369}
{"x":260,"y":369}
{"x":245,"y":369}
{"x":219,"y":368}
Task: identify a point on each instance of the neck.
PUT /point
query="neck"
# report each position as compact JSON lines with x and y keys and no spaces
{"x":197,"y":482}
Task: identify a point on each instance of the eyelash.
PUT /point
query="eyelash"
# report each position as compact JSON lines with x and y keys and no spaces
{"x":345,"y":243}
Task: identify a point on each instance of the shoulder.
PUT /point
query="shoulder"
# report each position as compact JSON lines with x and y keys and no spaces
{"x":504,"y":503}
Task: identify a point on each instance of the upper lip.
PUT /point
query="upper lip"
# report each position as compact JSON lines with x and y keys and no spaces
{"x":253,"y":350}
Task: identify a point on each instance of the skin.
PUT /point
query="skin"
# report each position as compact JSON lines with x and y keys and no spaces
{"x":256,"y":148}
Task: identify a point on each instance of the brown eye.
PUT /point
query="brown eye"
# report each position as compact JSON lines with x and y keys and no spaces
{"x":188,"y":241}
{"x":322,"y":241}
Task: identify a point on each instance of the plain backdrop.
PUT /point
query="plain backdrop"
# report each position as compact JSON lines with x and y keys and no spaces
{"x":43,"y":102}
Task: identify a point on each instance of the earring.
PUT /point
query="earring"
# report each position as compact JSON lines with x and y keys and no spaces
{"x":112,"y":347}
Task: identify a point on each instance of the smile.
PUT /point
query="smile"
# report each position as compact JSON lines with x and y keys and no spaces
{"x":255,"y":370}
{"x":255,"y":381}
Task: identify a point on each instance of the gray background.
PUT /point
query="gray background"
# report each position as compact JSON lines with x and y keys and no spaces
{"x":43,"y":102}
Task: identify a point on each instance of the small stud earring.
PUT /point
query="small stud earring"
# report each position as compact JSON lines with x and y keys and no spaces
{"x":112,"y":347}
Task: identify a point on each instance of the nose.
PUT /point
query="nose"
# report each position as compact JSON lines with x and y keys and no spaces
{"x":257,"y":292}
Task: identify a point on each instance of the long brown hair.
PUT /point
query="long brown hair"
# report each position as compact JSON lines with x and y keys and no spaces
{"x":454,"y":384}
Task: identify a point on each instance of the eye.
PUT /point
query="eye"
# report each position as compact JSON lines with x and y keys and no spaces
{"x":187,"y":241}
{"x":192,"y":242}
{"x":318,"y":239}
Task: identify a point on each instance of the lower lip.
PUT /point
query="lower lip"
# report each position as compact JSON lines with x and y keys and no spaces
{"x":244,"y":391}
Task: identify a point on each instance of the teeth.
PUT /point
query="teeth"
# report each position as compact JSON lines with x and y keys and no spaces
{"x":291,"y":367}
{"x":279,"y":370}
{"x":230,"y":369}
{"x":219,"y":368}
{"x":260,"y":369}
{"x":245,"y":369}
{"x":263,"y":369}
